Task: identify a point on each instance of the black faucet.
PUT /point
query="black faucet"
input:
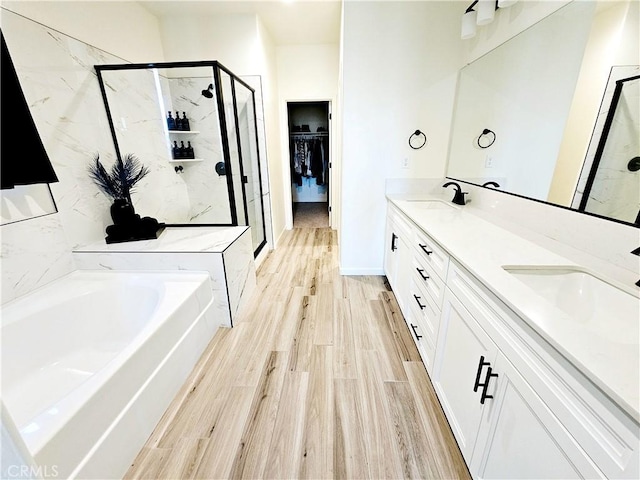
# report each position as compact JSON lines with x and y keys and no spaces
{"x":458,"y":197}
{"x":492,"y":184}
{"x":636,"y":252}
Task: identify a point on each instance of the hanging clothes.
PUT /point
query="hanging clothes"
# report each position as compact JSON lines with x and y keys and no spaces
{"x":309,"y":159}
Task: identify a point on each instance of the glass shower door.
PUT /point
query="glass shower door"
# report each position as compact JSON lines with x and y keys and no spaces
{"x":238,"y":107}
{"x":234,"y":165}
{"x":248,"y":141}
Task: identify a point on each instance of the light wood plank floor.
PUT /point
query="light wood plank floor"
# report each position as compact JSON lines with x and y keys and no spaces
{"x":319,"y":378}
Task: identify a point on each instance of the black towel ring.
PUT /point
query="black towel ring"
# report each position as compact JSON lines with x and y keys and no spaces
{"x":486,"y":131}
{"x":418,"y":133}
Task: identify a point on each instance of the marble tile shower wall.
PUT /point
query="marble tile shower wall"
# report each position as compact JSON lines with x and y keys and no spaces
{"x":140,"y":129}
{"x":206,"y":190}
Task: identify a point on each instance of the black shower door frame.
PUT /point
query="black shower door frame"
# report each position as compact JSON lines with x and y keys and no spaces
{"x":226,"y":151}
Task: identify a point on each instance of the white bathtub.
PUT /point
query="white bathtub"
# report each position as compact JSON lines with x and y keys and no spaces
{"x":91,"y":361}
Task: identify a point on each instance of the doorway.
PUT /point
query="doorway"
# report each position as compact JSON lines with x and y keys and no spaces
{"x":310,"y":164}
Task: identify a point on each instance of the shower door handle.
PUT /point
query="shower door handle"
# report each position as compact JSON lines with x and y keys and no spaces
{"x":245,"y":179}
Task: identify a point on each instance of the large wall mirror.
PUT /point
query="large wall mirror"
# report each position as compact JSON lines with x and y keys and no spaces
{"x":540,"y":116}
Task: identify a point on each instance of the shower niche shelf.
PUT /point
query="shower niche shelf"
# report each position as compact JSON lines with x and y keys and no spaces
{"x":185,"y":160}
{"x":183,"y":132}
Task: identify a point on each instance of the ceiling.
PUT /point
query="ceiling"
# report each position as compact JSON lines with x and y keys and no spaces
{"x":296,"y":22}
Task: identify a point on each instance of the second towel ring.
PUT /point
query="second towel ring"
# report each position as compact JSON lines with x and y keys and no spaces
{"x":492,"y":136}
{"x":417,"y":133}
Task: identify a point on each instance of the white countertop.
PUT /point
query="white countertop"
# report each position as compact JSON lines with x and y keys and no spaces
{"x":175,"y":239}
{"x":483,"y":248}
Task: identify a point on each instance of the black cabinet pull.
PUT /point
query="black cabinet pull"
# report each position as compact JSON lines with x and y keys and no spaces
{"x":481,"y":364}
{"x":422,"y":307}
{"x":485,"y":385}
{"x":394,"y":237}
{"x":421,"y":272}
{"x":424,"y":248}
{"x":413,"y":327}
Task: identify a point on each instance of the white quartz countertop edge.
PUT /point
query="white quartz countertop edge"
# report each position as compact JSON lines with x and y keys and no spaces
{"x":484,"y":248}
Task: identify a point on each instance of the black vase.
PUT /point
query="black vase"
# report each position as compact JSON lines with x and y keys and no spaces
{"x":122,"y":212}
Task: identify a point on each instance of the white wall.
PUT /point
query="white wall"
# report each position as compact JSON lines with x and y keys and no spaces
{"x":306,"y":73}
{"x":400,"y":64}
{"x":269,"y":74}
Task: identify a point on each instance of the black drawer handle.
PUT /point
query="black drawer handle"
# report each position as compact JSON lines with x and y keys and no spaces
{"x":422,"y":274}
{"x":394,"y":237}
{"x":422,"y":307}
{"x":481,"y":364}
{"x":413,"y":327}
{"x":424,"y":248}
{"x":485,"y":385}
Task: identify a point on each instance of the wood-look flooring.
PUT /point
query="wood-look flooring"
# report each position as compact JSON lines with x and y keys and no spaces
{"x":319,"y":378}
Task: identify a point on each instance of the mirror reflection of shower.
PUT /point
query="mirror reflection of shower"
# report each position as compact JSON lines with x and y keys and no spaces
{"x":608,"y":186}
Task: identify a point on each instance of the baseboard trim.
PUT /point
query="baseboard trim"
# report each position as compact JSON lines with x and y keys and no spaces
{"x":361,"y":271}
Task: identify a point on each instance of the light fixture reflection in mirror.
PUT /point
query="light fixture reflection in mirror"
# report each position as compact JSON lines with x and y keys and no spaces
{"x":538,"y":89}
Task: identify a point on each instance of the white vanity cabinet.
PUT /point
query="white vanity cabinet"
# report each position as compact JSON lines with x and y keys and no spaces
{"x":503,"y":429}
{"x":516,"y":406}
{"x":397,"y":256}
{"x":541,"y":419}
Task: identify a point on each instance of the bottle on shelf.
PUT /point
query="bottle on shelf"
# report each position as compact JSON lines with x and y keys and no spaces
{"x":171,"y":122}
{"x":178,"y":121}
{"x":183,"y":150}
{"x":190,"y":152}
{"x":175,"y":151}
{"x":185,"y":122}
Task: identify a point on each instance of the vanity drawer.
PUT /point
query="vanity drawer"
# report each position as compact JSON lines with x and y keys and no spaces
{"x":431,"y":253}
{"x":424,"y":306}
{"x":425,"y":275}
{"x":421,"y":333}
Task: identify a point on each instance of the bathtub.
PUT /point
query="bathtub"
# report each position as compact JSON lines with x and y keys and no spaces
{"x":91,"y":361}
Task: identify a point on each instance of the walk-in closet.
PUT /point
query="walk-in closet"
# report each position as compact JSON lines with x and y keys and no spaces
{"x":310,"y":163}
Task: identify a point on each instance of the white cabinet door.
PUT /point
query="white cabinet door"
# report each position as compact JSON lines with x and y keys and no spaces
{"x":520,"y":438}
{"x":464,"y":354}
{"x":390,"y":253}
{"x":397,"y":258}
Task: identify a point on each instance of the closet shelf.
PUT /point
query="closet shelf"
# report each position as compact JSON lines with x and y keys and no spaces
{"x":184,"y":131}
{"x":186,"y":160}
{"x":309,"y":134}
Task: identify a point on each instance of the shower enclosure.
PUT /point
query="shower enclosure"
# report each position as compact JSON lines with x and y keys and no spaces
{"x":206,"y":173}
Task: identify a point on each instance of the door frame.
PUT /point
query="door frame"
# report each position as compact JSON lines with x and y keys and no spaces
{"x":288,"y":198}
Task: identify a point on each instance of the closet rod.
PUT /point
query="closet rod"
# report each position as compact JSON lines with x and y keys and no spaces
{"x":311,"y":135}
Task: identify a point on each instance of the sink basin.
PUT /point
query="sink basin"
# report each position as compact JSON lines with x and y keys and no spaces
{"x":430,"y":204}
{"x":599,"y":306}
